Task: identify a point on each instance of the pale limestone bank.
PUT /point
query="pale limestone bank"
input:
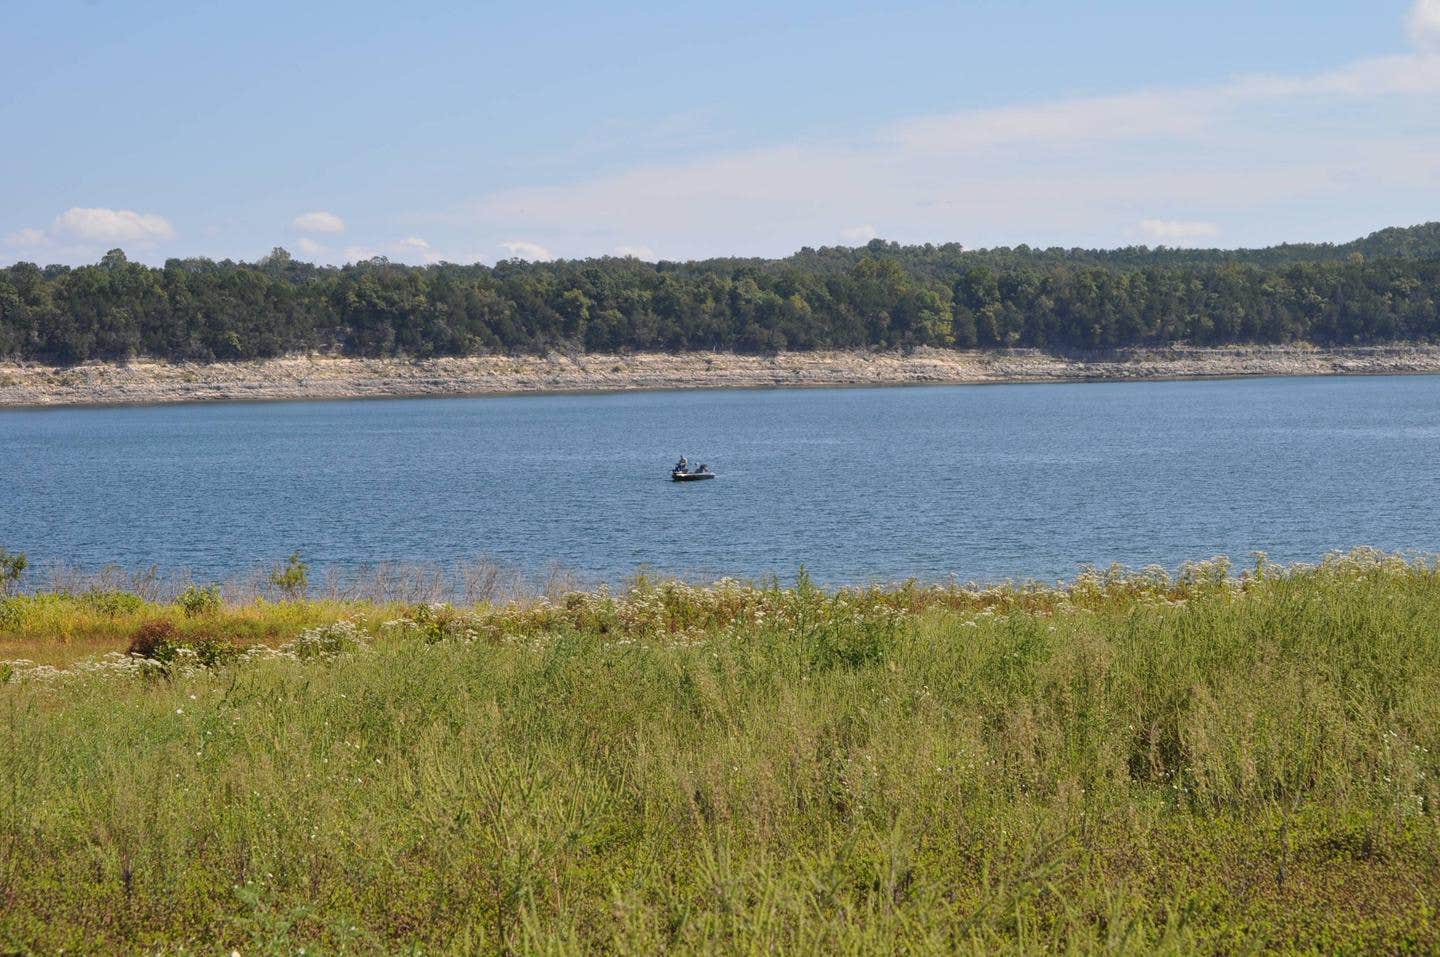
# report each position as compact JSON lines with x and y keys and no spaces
{"x":330,"y":377}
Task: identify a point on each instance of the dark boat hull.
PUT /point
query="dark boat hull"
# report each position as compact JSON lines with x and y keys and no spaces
{"x":691,"y":476}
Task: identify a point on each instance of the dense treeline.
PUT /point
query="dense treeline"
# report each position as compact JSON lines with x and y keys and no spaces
{"x":1384,"y":287}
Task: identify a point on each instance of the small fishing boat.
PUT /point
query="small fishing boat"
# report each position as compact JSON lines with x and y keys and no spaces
{"x":686,"y":475}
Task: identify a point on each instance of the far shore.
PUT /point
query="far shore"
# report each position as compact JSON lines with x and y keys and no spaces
{"x":333,"y":377}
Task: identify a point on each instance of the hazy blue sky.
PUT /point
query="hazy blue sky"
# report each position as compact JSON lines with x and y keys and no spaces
{"x":473,"y":131}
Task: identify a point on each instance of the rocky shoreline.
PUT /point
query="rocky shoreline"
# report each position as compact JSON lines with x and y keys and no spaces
{"x":331,"y":377}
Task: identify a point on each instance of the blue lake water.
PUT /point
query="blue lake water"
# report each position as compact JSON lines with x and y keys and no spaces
{"x":976,"y":482}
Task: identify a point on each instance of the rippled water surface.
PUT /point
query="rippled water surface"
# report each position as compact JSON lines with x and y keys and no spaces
{"x":979,"y":482}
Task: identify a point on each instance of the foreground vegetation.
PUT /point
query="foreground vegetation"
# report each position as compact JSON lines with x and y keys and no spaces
{"x":1379,"y":289}
{"x":1133,"y":763}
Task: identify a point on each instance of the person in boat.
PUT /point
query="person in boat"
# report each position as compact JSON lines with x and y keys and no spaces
{"x":683,"y":465}
{"x":703,"y":469}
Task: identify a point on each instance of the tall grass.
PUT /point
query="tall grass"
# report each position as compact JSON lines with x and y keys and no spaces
{"x":1128,"y":764}
{"x":481,"y":580}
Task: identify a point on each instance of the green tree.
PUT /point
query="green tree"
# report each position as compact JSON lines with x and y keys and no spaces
{"x":1383,"y":287}
{"x":12,"y":566}
{"x":292,"y":578}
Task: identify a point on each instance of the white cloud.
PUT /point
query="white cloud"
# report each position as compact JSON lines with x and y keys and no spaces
{"x":99,"y":225}
{"x":411,"y":249}
{"x":1152,"y":114}
{"x":355,"y":254}
{"x":639,"y":252}
{"x":1423,"y":24}
{"x":28,"y":239}
{"x":319,"y":221}
{"x":1403,"y":73}
{"x":1075,"y":170}
{"x":415,"y":249}
{"x":1127,"y":116}
{"x":81,"y":233}
{"x":858,"y":235}
{"x":1178,"y":232}
{"x":523,"y":249}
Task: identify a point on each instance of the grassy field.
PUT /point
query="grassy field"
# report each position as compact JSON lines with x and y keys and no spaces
{"x":1213,"y":763}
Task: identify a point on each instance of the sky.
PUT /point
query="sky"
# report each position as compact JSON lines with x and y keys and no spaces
{"x":473,"y":132}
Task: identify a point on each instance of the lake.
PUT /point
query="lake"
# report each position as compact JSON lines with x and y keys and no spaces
{"x":977,"y":482}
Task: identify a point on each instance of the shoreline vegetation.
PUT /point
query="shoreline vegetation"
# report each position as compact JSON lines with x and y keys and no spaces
{"x":1220,"y":760}
{"x":334,"y":377}
{"x":197,"y":329}
{"x":882,"y":296}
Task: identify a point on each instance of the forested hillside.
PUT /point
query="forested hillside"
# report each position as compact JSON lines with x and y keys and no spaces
{"x":1381,"y":288}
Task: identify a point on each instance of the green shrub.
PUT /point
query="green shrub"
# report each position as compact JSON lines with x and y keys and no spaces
{"x":113,"y":603}
{"x":327,"y":641}
{"x":292,"y":578}
{"x":436,"y":623}
{"x":211,"y":651}
{"x":200,"y":601}
{"x":12,"y":566}
{"x":156,"y":640}
{"x":161,"y":641}
{"x":11,"y":612}
{"x":19,"y":611}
